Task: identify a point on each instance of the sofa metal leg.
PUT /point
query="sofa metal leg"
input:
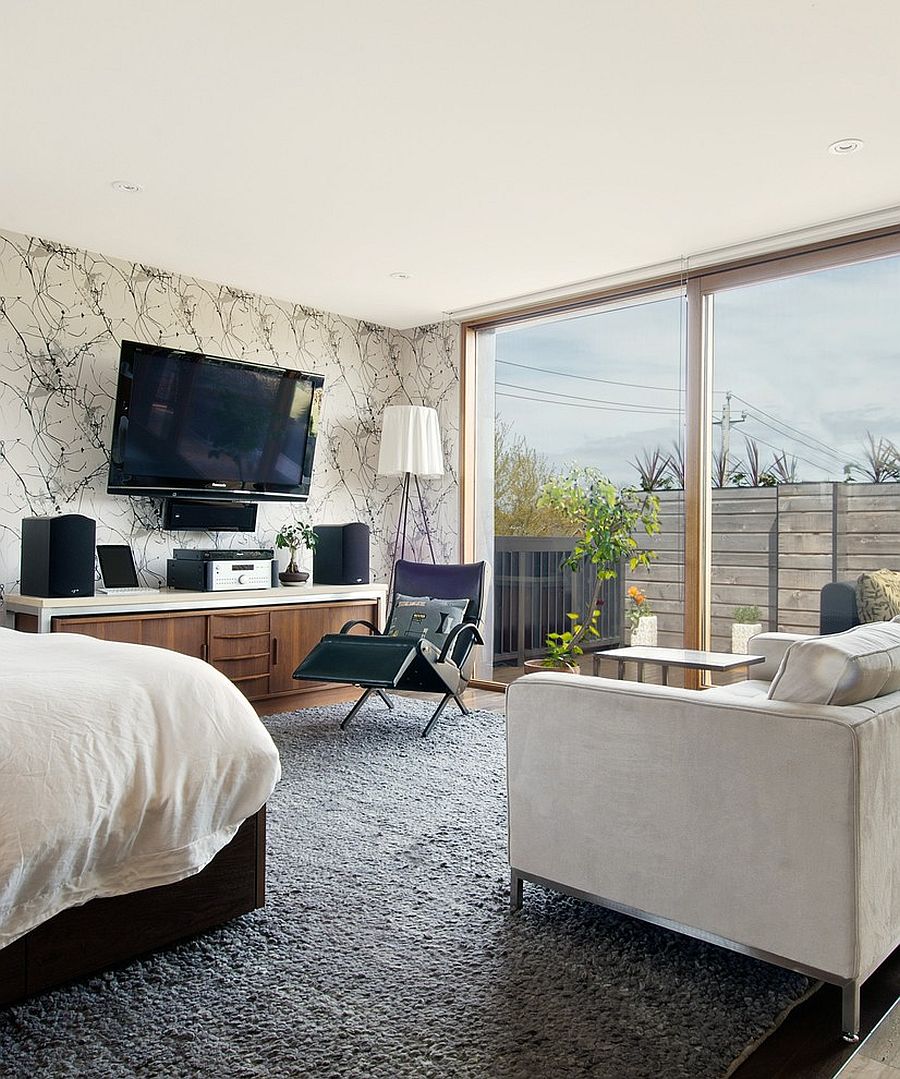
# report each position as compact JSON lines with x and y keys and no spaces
{"x":465,"y":711}
{"x":515,"y":890}
{"x":850,"y":1012}
{"x":387,"y":700}
{"x":356,"y":707}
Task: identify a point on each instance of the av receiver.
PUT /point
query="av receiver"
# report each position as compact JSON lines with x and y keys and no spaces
{"x":221,"y":575}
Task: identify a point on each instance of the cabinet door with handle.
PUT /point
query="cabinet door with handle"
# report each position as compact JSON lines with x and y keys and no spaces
{"x":295,"y":632}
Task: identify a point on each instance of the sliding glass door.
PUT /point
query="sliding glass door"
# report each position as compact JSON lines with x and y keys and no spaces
{"x":601,"y":389}
{"x":757,"y":402}
{"x":806,"y":378}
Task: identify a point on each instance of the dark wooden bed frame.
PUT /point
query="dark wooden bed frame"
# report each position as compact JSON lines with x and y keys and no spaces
{"x":86,"y":939}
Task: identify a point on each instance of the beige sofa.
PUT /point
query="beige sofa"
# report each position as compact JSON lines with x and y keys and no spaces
{"x":768,"y":826}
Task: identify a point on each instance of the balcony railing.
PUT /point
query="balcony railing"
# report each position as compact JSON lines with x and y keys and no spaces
{"x":533,"y":593}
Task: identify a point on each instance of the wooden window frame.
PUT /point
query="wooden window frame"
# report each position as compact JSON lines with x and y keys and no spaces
{"x":701,"y":286}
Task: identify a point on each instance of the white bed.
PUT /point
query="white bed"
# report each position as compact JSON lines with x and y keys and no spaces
{"x":122,"y":767}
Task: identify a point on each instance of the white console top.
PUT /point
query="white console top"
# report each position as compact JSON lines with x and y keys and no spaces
{"x":176,"y":599}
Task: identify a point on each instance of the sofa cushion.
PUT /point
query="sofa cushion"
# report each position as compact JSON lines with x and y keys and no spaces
{"x":772,"y":647}
{"x":843,"y":668}
{"x":878,"y":595}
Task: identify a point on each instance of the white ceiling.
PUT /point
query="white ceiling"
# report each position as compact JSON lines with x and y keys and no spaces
{"x":306,"y":149}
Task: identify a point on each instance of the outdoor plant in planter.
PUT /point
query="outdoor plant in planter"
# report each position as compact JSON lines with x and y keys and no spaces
{"x":564,"y":649}
{"x":746,"y":625}
{"x":292,"y":537}
{"x":604,"y":521}
{"x":640,"y":617}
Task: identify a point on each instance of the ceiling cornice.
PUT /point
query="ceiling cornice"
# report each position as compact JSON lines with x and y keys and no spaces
{"x":714,"y":257}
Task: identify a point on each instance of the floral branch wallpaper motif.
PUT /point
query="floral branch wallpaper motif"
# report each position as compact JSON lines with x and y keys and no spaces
{"x":63,"y":313}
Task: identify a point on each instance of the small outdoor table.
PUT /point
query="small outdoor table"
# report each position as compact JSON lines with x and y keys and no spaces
{"x":689,"y":658}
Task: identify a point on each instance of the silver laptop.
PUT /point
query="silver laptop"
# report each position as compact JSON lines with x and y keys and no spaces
{"x":117,"y":570}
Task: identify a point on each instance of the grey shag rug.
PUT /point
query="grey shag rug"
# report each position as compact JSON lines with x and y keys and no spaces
{"x":386,"y":949}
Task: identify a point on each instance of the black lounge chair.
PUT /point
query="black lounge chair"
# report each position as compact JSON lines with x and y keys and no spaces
{"x":384,"y":660}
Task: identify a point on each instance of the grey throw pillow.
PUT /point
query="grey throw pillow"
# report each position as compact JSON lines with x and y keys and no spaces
{"x":422,"y":616}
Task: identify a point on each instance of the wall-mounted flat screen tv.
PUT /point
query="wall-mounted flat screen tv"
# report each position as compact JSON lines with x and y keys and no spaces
{"x":186,"y":422}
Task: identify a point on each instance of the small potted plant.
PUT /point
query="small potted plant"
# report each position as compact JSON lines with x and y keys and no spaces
{"x":640,"y":617}
{"x":746,"y":625}
{"x":604,"y":520}
{"x":563,"y":648}
{"x":292,"y":537}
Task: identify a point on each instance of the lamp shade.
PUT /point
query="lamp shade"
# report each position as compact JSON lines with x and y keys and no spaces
{"x":410,"y":442}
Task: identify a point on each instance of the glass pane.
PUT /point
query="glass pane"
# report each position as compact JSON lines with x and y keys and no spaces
{"x":806,"y":381}
{"x":602,"y":389}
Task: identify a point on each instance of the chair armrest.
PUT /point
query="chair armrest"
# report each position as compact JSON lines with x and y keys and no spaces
{"x":347,"y":626}
{"x":454,"y":633}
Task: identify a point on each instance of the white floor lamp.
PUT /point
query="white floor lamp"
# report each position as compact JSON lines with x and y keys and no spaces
{"x":410,"y":447}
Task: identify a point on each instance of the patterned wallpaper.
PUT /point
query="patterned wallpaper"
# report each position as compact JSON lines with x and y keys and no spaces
{"x":63,"y":313}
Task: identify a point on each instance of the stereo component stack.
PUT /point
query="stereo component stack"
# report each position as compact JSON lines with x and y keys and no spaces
{"x":222,"y":570}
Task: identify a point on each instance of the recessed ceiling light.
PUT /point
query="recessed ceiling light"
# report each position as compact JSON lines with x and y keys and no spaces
{"x":127,"y":186}
{"x":399,"y":275}
{"x":845,"y":146}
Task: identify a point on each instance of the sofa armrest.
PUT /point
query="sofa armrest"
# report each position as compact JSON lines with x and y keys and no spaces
{"x":740,"y":819}
{"x":773,"y":646}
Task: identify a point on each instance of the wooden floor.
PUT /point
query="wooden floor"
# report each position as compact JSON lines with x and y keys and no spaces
{"x":807,"y":1045}
{"x":879,"y":1055}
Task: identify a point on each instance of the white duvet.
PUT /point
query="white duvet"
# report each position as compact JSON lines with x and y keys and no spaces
{"x":122,"y":767}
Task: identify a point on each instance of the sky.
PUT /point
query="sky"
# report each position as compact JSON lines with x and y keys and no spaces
{"x":812,"y":362}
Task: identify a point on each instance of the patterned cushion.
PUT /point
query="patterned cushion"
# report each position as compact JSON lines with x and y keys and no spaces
{"x":878,"y":596}
{"x":422,"y":616}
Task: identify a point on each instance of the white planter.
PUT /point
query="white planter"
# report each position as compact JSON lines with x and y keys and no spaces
{"x":645,"y":631}
{"x":741,"y":632}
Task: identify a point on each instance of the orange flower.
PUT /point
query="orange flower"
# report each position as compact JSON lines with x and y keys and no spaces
{"x":636,"y":595}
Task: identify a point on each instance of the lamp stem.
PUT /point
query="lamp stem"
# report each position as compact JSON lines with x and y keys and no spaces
{"x":425,"y":519}
{"x":401,"y":532}
{"x":405,"y":513}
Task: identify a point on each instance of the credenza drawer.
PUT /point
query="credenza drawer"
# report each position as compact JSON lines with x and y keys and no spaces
{"x":236,"y":626}
{"x":239,"y":647}
{"x":243,"y":667}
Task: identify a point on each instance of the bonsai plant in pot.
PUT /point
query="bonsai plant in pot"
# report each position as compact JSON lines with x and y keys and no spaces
{"x":640,"y":617}
{"x":292,"y":537}
{"x":563,"y":649}
{"x":746,"y":625}
{"x":604,"y":521}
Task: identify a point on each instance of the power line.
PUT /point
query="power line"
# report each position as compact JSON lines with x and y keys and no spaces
{"x":803,"y":434}
{"x":576,"y":404}
{"x":810,"y":442}
{"x":788,"y":433}
{"x":842,"y":460}
{"x":805,"y":460}
{"x":592,"y":378}
{"x":624,"y":406}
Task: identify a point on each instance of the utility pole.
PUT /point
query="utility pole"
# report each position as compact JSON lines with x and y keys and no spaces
{"x":726,"y":423}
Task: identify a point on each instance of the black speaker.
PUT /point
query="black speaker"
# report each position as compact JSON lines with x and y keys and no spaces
{"x":58,"y":556}
{"x":342,"y":554}
{"x":189,"y":514}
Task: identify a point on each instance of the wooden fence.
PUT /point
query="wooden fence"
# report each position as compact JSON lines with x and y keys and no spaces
{"x":772,"y":548}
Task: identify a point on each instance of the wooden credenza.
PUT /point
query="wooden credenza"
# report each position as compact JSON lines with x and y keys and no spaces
{"x":254,"y":638}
